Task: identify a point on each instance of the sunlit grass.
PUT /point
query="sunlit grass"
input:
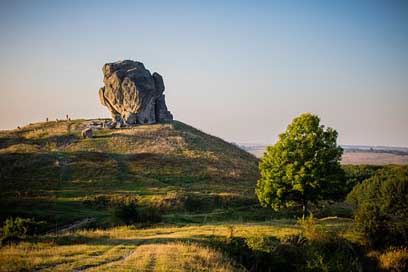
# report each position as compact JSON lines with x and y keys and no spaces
{"x":161,"y":248}
{"x":92,"y":248}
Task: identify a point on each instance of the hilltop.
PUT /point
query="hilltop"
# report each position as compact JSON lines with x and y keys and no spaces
{"x":48,"y":171}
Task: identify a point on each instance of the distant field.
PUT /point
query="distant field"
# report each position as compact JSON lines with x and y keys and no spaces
{"x":355,"y":156}
{"x":373,"y":158}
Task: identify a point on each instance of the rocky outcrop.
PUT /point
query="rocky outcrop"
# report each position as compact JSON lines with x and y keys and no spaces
{"x":133,"y":95}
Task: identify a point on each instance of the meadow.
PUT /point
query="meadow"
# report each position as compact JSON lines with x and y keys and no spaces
{"x":163,"y":197}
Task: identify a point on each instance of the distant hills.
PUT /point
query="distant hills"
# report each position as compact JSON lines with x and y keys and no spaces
{"x":353,"y":154}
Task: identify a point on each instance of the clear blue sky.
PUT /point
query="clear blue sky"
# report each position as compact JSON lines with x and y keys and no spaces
{"x":241,"y":70}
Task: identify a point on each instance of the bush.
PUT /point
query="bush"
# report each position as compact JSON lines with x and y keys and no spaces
{"x":323,"y":250}
{"x":331,"y":254}
{"x":149,"y":215}
{"x":329,"y":208}
{"x":381,"y":208}
{"x":125,"y":208}
{"x":126,"y":211}
{"x":294,"y":239}
{"x":380,"y":230}
{"x":312,"y":250}
{"x":293,"y":253}
{"x":394,"y":196}
{"x":130,"y":213}
{"x":395,"y":259}
{"x":372,"y":224}
{"x":355,"y":174}
{"x":17,"y":229}
{"x":310,"y":229}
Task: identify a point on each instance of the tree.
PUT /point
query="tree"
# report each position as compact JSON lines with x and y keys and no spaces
{"x":302,"y":167}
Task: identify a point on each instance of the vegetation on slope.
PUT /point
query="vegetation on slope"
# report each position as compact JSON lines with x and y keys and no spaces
{"x":199,"y":187}
{"x":49,"y":172}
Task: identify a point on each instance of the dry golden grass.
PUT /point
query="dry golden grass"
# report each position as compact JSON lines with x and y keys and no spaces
{"x":128,"y":249}
{"x":171,"y":257}
{"x":395,"y":259}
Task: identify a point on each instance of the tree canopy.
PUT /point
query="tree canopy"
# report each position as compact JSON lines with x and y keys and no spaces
{"x":303,"y":166}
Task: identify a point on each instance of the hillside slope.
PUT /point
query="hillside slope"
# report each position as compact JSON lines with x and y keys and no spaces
{"x":49,"y":172}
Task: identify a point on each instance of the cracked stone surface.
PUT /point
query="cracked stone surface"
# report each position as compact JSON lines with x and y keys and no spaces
{"x":133,"y":95}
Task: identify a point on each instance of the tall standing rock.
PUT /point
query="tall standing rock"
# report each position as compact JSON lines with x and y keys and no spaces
{"x":132,"y":94}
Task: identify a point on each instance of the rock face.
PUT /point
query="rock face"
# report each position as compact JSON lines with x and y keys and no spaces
{"x":133,"y":95}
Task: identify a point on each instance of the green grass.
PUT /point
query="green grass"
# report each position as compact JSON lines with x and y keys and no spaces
{"x":48,"y":170}
{"x":201,"y":185}
{"x":101,"y":250}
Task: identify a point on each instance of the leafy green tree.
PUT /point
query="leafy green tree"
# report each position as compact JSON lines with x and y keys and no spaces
{"x":302,"y":167}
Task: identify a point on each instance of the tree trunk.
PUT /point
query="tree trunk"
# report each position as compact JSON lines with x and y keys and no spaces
{"x":304,"y":209}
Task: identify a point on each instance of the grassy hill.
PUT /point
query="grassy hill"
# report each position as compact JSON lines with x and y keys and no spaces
{"x":200,"y":186}
{"x":49,"y":172}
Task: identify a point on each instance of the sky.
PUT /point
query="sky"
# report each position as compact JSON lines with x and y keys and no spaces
{"x":240,"y":70}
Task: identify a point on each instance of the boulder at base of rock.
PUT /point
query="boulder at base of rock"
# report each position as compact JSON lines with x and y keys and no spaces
{"x":87,"y":133}
{"x":133,"y":95}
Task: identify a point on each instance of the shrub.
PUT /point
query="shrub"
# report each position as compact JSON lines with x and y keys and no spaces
{"x":108,"y":201}
{"x":372,"y":223}
{"x":331,"y":254}
{"x":125,"y":208}
{"x":395,"y":259}
{"x":262,"y":244}
{"x":394,"y":196}
{"x":310,"y":230}
{"x":149,"y":215}
{"x":129,"y":212}
{"x":14,"y":230}
{"x":294,"y":239}
{"x":320,"y":251}
{"x":126,"y":211}
{"x":380,"y":230}
{"x":381,"y":208}
{"x":97,"y":202}
{"x":355,"y":174}
{"x":328,"y":208}
{"x":323,"y":250}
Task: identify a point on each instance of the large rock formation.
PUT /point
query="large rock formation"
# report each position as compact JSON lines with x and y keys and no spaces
{"x":132,"y":94}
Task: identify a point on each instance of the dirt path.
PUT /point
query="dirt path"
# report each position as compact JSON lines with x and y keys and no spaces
{"x":121,"y":258}
{"x":76,"y":225}
{"x":152,"y":262}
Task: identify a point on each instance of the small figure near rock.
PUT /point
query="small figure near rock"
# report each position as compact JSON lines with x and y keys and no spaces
{"x":18,"y":127}
{"x":46,"y":119}
{"x":57,"y":120}
{"x":87,"y":133}
{"x":67,"y":117}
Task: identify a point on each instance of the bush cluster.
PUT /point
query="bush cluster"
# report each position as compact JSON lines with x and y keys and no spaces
{"x":16,"y":229}
{"x":311,"y":250}
{"x":125,"y":208}
{"x":129,"y":212}
{"x":381,"y":208}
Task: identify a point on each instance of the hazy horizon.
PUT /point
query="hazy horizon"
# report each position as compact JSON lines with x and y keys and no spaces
{"x":240,"y":70}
